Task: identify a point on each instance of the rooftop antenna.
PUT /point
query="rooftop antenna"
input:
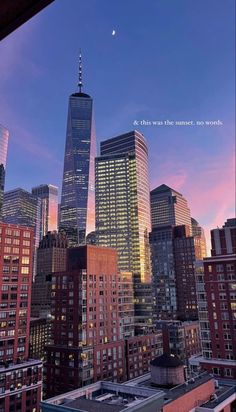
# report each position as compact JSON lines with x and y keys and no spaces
{"x":80,"y":84}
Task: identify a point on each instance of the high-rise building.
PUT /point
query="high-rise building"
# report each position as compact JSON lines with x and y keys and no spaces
{"x":92,"y":327}
{"x":187,"y":250}
{"x":123,"y":213}
{"x":176,"y":245}
{"x":20,"y":378}
{"x":77,"y":211}
{"x":169,"y":207}
{"x":85,"y":295}
{"x":163,"y":270}
{"x":216,"y":288}
{"x":198,"y":232}
{"x":174,"y":254}
{"x":4,"y":136}
{"x":49,"y":207}
{"x":51,"y":257}
{"x":22,"y":208}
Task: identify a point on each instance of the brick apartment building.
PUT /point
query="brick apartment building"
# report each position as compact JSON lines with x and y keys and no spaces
{"x":20,"y":378}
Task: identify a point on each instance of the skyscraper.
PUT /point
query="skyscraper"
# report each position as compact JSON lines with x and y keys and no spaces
{"x":22,"y":208}
{"x":174,"y":251}
{"x":187,"y":251}
{"x":123,"y":213}
{"x":49,"y":207}
{"x":77,"y":215}
{"x":4,"y":135}
{"x":169,"y":207}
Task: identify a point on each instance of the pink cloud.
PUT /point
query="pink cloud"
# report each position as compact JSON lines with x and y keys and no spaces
{"x":208,"y":183}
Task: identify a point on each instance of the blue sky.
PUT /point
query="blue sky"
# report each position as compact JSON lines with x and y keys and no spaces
{"x":169,"y":59}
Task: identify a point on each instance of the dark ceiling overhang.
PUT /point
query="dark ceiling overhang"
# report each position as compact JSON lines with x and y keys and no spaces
{"x":14,"y":13}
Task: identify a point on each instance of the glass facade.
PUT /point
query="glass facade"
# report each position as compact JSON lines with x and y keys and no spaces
{"x":123,"y":213}
{"x":49,"y":207}
{"x":163,"y":269}
{"x":169,"y":207}
{"x":22,"y":208}
{"x":4,"y":136}
{"x":77,"y":212}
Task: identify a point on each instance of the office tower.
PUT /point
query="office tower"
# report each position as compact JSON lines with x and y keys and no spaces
{"x":20,"y":383}
{"x":49,"y":207}
{"x":217,"y":303}
{"x":4,"y":136}
{"x":85,"y":295}
{"x":169,"y":207}
{"x":77,"y":213}
{"x":123,"y":213}
{"x":174,"y":255}
{"x":187,"y":250}
{"x":22,"y":208}
{"x":163,"y":270}
{"x":176,"y":245}
{"x":198,"y":232}
{"x":51,"y":257}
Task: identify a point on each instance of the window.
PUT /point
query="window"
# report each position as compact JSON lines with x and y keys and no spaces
{"x":25,"y":260}
{"x":26,"y":234}
{"x":24,"y":270}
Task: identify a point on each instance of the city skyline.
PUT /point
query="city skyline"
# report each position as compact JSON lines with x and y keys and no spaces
{"x":38,"y":136}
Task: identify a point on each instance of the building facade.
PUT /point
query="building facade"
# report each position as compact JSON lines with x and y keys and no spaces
{"x":40,"y":336}
{"x":77,"y":211}
{"x":49,"y":207}
{"x":163,"y":270}
{"x":123,"y":214}
{"x":198,"y":233}
{"x":169,"y":207}
{"x":85,"y":295}
{"x":217,"y":303}
{"x":4,"y":136}
{"x":51,"y":257}
{"x":20,"y":382}
{"x":187,"y":250}
{"x":181,"y":339}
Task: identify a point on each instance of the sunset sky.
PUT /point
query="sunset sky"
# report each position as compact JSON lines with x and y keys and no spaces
{"x":168,"y":60}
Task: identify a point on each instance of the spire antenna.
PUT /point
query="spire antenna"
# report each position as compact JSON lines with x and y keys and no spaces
{"x":80,"y":84}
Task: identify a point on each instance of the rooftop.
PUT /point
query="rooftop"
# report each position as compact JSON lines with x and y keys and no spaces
{"x":105,"y":397}
{"x":22,"y":364}
{"x":136,"y":394}
{"x":176,"y":391}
